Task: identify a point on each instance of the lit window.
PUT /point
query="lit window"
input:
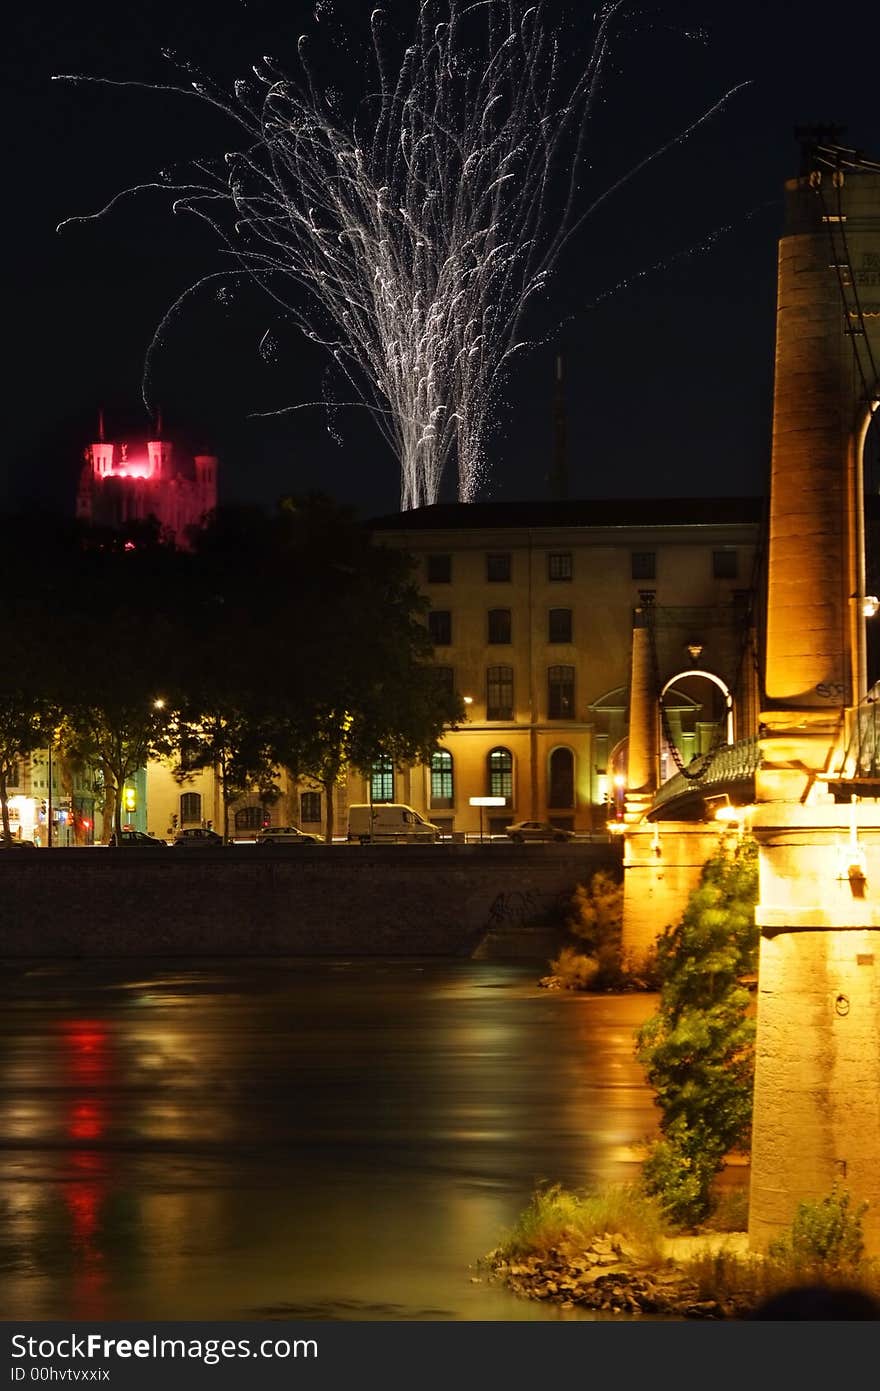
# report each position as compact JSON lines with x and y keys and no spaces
{"x":441,"y":779}
{"x":382,"y":780}
{"x":500,"y":769}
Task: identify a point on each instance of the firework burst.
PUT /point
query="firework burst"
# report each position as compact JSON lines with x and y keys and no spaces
{"x":411,"y":238}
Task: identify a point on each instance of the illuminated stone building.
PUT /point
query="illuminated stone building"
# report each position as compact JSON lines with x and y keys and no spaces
{"x":531,"y":619}
{"x":120,"y":483}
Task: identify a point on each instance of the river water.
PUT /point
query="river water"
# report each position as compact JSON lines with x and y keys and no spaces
{"x":295,"y":1139}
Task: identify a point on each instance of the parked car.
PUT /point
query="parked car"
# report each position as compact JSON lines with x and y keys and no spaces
{"x":135,"y":839}
{"x":286,"y":835}
{"x":536,"y":830}
{"x":13,"y":843}
{"x":196,"y":836}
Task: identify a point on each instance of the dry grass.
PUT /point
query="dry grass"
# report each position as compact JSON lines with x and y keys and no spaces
{"x":557,"y":1219}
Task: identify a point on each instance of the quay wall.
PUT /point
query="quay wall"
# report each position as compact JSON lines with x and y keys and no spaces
{"x":340,"y":900}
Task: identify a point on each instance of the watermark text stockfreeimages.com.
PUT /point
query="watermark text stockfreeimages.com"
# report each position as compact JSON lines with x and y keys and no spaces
{"x":97,"y":1347}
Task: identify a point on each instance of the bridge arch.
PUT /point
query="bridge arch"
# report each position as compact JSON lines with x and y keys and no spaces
{"x":708,"y":676}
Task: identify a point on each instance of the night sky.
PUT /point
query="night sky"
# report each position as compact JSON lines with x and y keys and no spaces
{"x":668,"y":377}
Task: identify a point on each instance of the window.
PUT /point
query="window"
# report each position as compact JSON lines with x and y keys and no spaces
{"x":559,"y":626}
{"x":441,"y":779}
{"x":12,"y":780}
{"x":561,"y":791}
{"x":500,"y":768}
{"x":499,"y":625}
{"x":724,"y":564}
{"x":643,"y":565}
{"x":440,"y":627}
{"x":559,"y":565}
{"x":249,"y":819}
{"x":190,"y":808}
{"x":499,"y":693}
{"x":498,"y":567}
{"x":560,"y":693}
{"x":445,"y":680}
{"x":310,"y":807}
{"x":439,"y":569}
{"x":382,"y":780}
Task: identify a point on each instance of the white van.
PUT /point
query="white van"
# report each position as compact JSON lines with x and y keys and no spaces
{"x":389,"y":821}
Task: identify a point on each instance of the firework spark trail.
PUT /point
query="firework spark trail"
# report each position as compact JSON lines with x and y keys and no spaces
{"x":416,"y":236}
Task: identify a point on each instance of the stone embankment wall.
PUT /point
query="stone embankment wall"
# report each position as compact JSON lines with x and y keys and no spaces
{"x":444,"y":900}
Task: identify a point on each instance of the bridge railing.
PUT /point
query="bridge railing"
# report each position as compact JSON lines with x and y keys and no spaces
{"x":862,"y":758}
{"x":732,"y":763}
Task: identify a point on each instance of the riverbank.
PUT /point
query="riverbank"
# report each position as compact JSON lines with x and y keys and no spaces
{"x":607,"y":1275}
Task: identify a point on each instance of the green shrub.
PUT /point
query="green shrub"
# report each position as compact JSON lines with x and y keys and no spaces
{"x":824,"y":1236}
{"x":698,"y":1048}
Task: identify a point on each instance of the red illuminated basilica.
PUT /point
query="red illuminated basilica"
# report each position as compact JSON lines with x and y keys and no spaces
{"x":122,"y":483}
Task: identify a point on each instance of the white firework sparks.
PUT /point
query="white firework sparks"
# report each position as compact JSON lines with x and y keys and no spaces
{"x":410,"y":240}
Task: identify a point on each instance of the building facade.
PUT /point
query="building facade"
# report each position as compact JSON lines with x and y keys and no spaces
{"x":531,"y":618}
{"x":121,"y":483}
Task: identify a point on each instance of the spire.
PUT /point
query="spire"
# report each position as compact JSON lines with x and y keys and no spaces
{"x":101,"y":424}
{"x":158,"y":422}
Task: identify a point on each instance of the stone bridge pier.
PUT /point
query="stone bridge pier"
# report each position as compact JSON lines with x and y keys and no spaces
{"x":817,"y":1079}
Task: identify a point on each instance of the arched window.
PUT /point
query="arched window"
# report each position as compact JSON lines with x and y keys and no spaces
{"x":499,"y":693}
{"x":190,"y":809}
{"x":561,"y":791}
{"x":560,"y":693}
{"x":442,"y":794}
{"x":382,"y":780}
{"x":500,"y":767}
{"x":249,"y":819}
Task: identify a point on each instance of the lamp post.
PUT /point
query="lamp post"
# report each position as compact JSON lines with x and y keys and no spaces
{"x":49,"y":803}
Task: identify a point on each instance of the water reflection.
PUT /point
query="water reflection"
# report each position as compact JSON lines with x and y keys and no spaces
{"x":295,"y":1139}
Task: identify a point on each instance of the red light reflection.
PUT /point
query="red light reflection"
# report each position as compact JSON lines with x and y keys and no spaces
{"x":86,"y":1063}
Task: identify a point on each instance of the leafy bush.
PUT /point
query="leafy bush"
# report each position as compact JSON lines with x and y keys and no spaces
{"x":698,"y":1049}
{"x":573,"y":970}
{"x":595,"y":919}
{"x":825,"y":1236}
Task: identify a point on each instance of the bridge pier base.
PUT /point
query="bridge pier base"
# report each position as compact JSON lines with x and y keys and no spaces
{"x":662,"y":863}
{"x":817,"y":1074}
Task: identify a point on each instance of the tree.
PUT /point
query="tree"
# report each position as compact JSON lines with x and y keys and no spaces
{"x":117,"y":638}
{"x":228,"y":740}
{"x":698,"y":1049}
{"x":27,"y":714}
{"x":358,"y":681}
